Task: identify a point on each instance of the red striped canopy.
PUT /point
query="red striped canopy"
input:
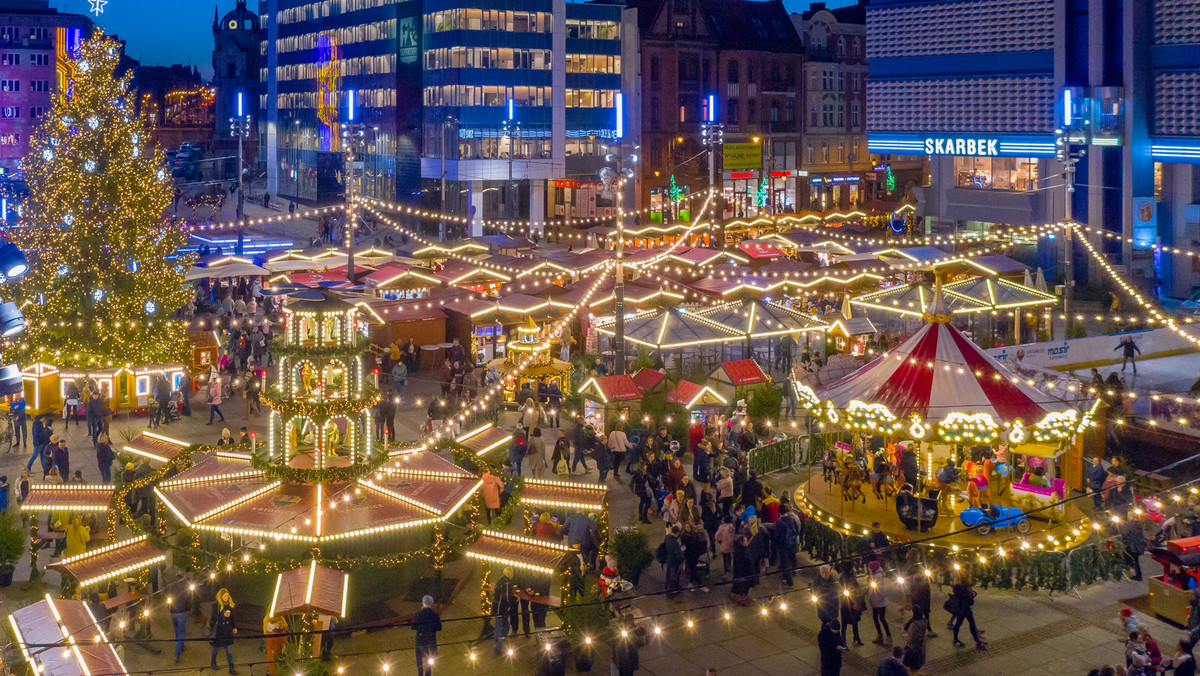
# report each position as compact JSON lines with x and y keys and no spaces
{"x":939,"y":371}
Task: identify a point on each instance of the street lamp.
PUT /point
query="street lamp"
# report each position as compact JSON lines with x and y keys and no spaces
{"x":618,"y":174}
{"x":239,"y":126}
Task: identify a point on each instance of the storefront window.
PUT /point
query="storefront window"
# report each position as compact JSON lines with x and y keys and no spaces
{"x":996,"y":173}
{"x":1158,"y":181}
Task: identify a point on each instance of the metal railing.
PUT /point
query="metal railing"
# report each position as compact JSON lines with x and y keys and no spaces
{"x":778,"y":456}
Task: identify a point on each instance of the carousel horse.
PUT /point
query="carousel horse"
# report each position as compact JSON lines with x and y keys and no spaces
{"x":829,"y":467}
{"x":883,"y":483}
{"x":851,"y":481}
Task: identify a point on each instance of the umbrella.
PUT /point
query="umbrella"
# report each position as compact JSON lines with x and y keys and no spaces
{"x":1028,"y":281}
{"x":1040,"y":282}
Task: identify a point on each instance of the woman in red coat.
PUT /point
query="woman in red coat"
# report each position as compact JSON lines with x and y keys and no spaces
{"x":491,"y":494}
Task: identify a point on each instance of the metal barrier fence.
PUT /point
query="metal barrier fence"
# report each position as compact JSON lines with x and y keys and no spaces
{"x":778,"y":456}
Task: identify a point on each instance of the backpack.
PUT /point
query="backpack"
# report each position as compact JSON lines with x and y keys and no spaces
{"x":660,"y":554}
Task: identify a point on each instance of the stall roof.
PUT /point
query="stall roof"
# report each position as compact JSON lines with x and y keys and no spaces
{"x":216,"y":466}
{"x":48,"y":623}
{"x":739,"y":372}
{"x":516,"y":306}
{"x":484,"y":439}
{"x":757,"y":318}
{"x":689,"y":395}
{"x":672,"y":328}
{"x":612,"y":388}
{"x":759,"y":249}
{"x":697,"y":256}
{"x":311,"y":588}
{"x":913,"y":254}
{"x":401,"y":275}
{"x":68,"y":498}
{"x":1000,"y":265}
{"x":913,"y":299}
{"x":851,"y":326}
{"x":563,"y":494}
{"x":498,"y":242}
{"x":156,"y":447}
{"x":426,"y":462}
{"x":647,"y":379}
{"x":101,"y":564}
{"x":539,"y":556}
{"x":228,"y":269}
{"x":999,"y":294}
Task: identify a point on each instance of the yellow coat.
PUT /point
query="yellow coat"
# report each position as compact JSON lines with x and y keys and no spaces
{"x":78,"y":536}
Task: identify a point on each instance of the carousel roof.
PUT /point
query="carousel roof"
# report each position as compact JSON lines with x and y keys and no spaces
{"x":311,"y":588}
{"x":937,"y":372}
{"x":224,"y":493}
{"x":41,"y":628}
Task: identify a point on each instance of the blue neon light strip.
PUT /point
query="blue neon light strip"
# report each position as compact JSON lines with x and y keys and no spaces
{"x":1166,"y":150}
{"x":1007,"y":145}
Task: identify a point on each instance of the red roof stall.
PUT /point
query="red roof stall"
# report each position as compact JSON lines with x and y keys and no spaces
{"x":731,"y":377}
{"x":648,"y":380}
{"x":615,"y":397}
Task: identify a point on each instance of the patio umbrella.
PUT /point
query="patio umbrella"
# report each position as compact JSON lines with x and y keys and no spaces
{"x":1040,"y":282}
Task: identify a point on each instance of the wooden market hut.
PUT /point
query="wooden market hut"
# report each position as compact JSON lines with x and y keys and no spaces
{"x":312,"y":589}
{"x":607,"y":397}
{"x":733,"y":378}
{"x":484,"y":439}
{"x":539,"y":562}
{"x":155,"y":447}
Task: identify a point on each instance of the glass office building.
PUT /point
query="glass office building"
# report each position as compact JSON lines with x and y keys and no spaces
{"x":490,"y":98}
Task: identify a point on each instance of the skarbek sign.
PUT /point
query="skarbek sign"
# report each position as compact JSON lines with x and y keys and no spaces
{"x":989,"y":147}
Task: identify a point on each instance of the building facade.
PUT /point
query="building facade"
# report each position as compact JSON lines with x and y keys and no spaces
{"x":996,"y":92}
{"x":36,"y":43}
{"x":495,"y":110}
{"x":744,"y":59}
{"x":834,"y":163}
{"x":236,"y":44}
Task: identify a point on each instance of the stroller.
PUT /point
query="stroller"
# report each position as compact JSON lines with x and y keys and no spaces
{"x":174,"y":409}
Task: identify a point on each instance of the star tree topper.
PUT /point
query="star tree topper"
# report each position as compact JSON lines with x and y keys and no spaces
{"x":98,"y":6}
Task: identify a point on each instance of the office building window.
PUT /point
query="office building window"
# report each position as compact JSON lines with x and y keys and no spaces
{"x":996,"y":173}
{"x":774,"y":111}
{"x":808,"y":153}
{"x":789,"y":111}
{"x":10,"y":85}
{"x":854,"y":115}
{"x":39,"y":85}
{"x":841,"y":152}
{"x":36,"y":111}
{"x":40,"y":59}
{"x":10,"y":112}
{"x":734,"y":69}
{"x":593,"y":30}
{"x":10,"y":59}
{"x":812,"y":117}
{"x":731,"y":115}
{"x":825,"y":153}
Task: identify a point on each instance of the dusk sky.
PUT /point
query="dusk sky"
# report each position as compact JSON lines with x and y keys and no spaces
{"x":163,"y":32}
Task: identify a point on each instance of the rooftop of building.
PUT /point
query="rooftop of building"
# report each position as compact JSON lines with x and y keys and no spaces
{"x":856,"y":13}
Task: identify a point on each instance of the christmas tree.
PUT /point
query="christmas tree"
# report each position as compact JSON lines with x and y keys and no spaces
{"x":104,"y":280}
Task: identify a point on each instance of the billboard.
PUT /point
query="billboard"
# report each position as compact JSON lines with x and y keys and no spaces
{"x":742,"y":157}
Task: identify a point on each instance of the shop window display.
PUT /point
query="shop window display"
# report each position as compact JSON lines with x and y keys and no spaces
{"x":996,"y":173}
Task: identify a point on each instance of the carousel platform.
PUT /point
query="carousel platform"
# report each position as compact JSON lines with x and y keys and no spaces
{"x":823,"y":500}
{"x":308,"y":460}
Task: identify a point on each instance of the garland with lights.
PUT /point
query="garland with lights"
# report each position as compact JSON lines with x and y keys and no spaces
{"x":103,"y":254}
{"x":333,"y":351}
{"x":330,"y":408}
{"x":291,"y":474}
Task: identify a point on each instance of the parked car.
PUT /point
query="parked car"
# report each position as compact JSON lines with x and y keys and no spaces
{"x":989,"y":518}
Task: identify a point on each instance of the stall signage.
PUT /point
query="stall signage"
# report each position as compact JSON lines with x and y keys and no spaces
{"x":987,"y":147}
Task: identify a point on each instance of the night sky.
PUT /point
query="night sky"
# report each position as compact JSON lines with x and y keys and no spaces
{"x":163,"y":32}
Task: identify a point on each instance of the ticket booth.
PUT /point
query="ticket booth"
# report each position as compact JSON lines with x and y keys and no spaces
{"x":1171,"y":591}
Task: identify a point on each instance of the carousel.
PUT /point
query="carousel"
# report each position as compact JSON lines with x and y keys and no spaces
{"x":935,"y":438}
{"x":534,"y":343}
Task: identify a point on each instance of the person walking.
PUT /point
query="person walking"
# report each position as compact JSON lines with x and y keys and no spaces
{"x":914,"y":646}
{"x":214,"y":400}
{"x":831,"y":644}
{"x":427,"y":623}
{"x":222,"y":628}
{"x":851,"y":602}
{"x":275,"y":629}
{"x":787,"y":540}
{"x":61,"y":458}
{"x":1096,"y":475}
{"x":1134,"y":538}
{"x":670,"y":555}
{"x":618,"y":445}
{"x":104,"y":458}
{"x":536,"y":452}
{"x":180,"y":604}
{"x":877,"y":599}
{"x":1129,"y":352}
{"x":491,"y":486}
{"x":16,"y":409}
{"x":504,"y":610}
{"x":824,"y":587}
{"x":920,"y":596}
{"x":962,"y":597}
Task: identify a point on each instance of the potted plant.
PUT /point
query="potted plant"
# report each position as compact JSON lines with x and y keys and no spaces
{"x":631,"y":548}
{"x":12,"y":546}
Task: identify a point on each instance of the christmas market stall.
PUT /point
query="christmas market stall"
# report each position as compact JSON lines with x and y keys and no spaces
{"x":483,"y":439}
{"x":157,"y":448}
{"x":532,"y":342}
{"x":733,"y":380}
{"x":607,"y":399}
{"x":106,"y":563}
{"x":316,"y":595}
{"x":60,"y":637}
{"x":540,"y":566}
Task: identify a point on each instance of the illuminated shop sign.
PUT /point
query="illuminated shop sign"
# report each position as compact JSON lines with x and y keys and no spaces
{"x":988,"y":147}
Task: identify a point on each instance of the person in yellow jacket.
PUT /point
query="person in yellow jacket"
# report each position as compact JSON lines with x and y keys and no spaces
{"x":275,"y":628}
{"x":78,"y":536}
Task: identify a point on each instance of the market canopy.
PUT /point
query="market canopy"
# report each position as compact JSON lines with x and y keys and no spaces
{"x":311,"y":588}
{"x":112,"y":561}
{"x":61,"y":637}
{"x":68,"y":498}
{"x":939,"y":376}
{"x":155,"y":447}
{"x":912,"y":299}
{"x":484,"y":439}
{"x":756,"y":318}
{"x":999,"y":294}
{"x":233,"y":268}
{"x":671,"y":328}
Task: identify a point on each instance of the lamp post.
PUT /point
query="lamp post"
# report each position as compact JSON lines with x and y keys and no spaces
{"x":354,"y":133}
{"x":239,"y":126}
{"x":624,"y":173}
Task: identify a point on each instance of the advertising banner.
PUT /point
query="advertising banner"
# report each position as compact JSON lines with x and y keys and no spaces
{"x":1092,"y":351}
{"x":742,"y":157}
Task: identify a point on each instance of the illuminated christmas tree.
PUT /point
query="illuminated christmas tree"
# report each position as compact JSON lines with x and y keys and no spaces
{"x":103,"y":284}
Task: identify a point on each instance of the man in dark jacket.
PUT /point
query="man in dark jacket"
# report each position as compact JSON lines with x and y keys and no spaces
{"x":831,"y":645}
{"x":1096,"y":475}
{"x":427,"y":623}
{"x":1134,"y":539}
{"x":162,"y":395}
{"x":1129,"y":353}
{"x":825,"y":588}
{"x":787,"y":539}
{"x":504,"y":609}
{"x":672,"y":559}
{"x":908,"y":465}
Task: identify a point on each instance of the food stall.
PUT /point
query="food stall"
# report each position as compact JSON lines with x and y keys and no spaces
{"x":312,"y":590}
{"x":610,"y":397}
{"x":533,"y":340}
{"x":1171,"y":591}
